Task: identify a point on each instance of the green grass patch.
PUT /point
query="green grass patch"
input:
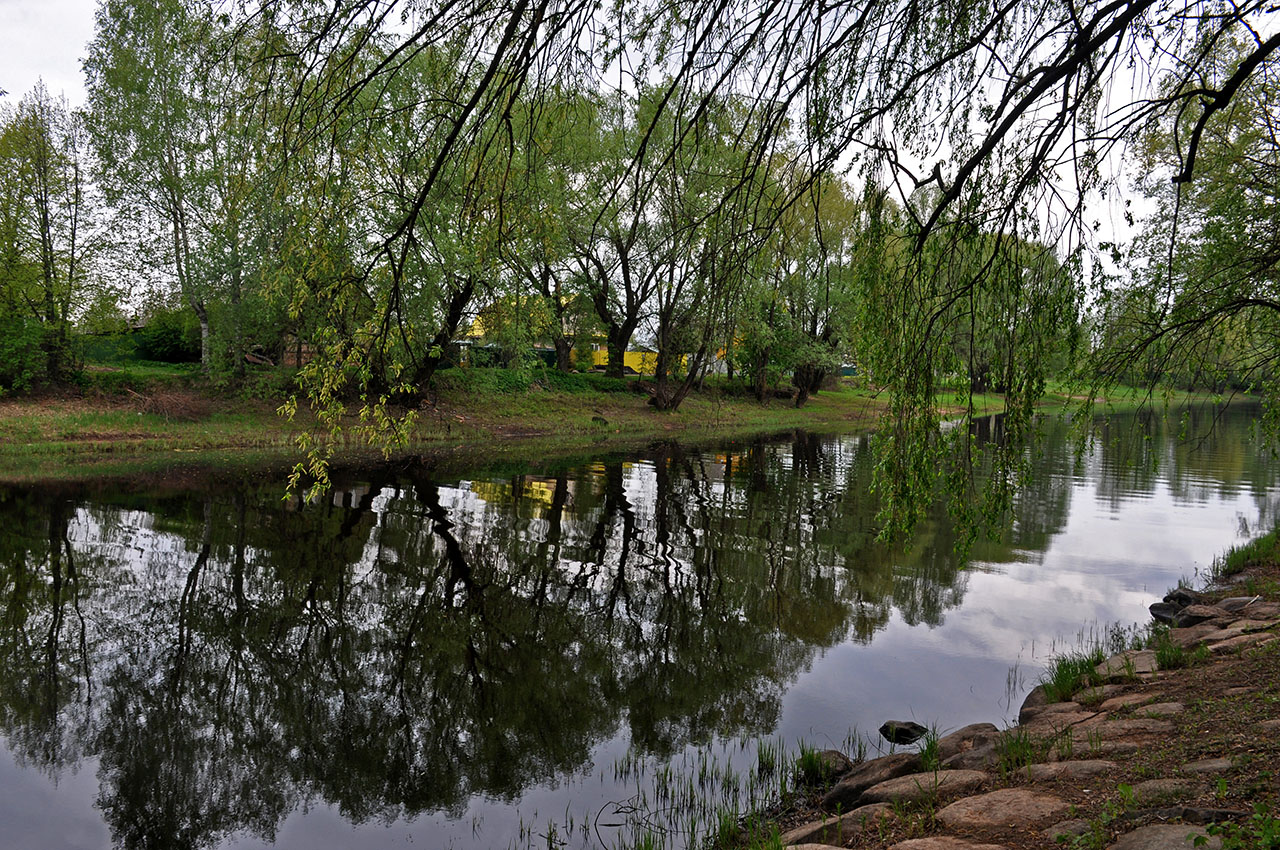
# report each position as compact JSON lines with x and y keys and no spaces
{"x":1072,"y":672}
{"x":1261,"y":551}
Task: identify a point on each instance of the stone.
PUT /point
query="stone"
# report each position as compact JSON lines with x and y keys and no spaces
{"x":844,"y":795}
{"x":1195,"y":614}
{"x":1165,"y":836}
{"x":1191,"y":636}
{"x":834,"y":764}
{"x":1054,"y":724}
{"x":1248,"y":626}
{"x":980,"y":757}
{"x":1182,"y":597}
{"x":1160,"y":709}
{"x":1112,"y":730}
{"x":1270,"y":726}
{"x":1163,"y":612}
{"x":943,"y":842}
{"x":1241,"y":642}
{"x":1106,"y":748}
{"x":1125,"y":700}
{"x":922,"y":786}
{"x":1081,"y":769}
{"x":1208,"y":766}
{"x":1037,"y":697}
{"x":809,"y":847}
{"x":1155,"y":792}
{"x":836,"y":830}
{"x":1235,"y":603}
{"x":1068,"y":829}
{"x":1223,"y":634}
{"x":902,"y":731}
{"x":1008,"y":807}
{"x":1237,"y":692}
{"x":966,"y":738}
{"x":1128,"y":663}
{"x":1261,"y":611}
{"x":1091,"y":697}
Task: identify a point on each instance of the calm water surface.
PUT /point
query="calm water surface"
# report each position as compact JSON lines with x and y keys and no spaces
{"x":514,"y":660}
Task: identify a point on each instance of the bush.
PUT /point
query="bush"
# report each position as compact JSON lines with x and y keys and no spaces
{"x":23,"y":360}
{"x":171,"y":336}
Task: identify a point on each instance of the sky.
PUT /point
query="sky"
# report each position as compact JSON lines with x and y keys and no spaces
{"x":44,"y":39}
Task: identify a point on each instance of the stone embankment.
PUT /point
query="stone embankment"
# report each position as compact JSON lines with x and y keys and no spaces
{"x":1149,"y":759}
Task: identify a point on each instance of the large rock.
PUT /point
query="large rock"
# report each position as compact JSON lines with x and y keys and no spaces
{"x":1112,"y":730}
{"x":1125,"y":700}
{"x":1248,"y":626}
{"x":1064,"y":831}
{"x":1182,"y":597}
{"x":1192,"y":636}
{"x":1240,"y":642}
{"x":1091,"y":697}
{"x":1008,"y":807}
{"x":1082,"y":769}
{"x":925,"y":786}
{"x":1195,"y":614}
{"x":1208,"y":766}
{"x":837,"y":830}
{"x":1055,"y":722}
{"x":1160,"y":709}
{"x":1157,"y":792}
{"x":980,"y":757}
{"x":1165,"y":836}
{"x":1261,"y":611}
{"x":902,"y":731}
{"x":834,"y":764}
{"x":1036,"y":698}
{"x":1163,"y":612}
{"x":1235,"y":603}
{"x":943,"y":842}
{"x":966,"y":738}
{"x":844,"y":796}
{"x":1132,"y":662}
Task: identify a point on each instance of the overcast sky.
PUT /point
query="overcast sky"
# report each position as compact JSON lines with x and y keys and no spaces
{"x":44,"y":38}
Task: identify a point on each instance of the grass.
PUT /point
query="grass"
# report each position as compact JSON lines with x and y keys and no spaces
{"x":478,"y":416}
{"x":1237,"y":559}
{"x":137,"y":414}
{"x":1072,"y":672}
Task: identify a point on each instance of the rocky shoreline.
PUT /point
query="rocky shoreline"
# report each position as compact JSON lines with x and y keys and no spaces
{"x":1165,"y":747}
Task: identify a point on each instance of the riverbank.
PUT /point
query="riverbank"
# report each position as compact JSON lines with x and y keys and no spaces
{"x":72,"y":436}
{"x":125,"y":423}
{"x":1147,"y":748}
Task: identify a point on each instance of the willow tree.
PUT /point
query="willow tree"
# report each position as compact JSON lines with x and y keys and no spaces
{"x":1205,"y":305}
{"x":1002,"y":118}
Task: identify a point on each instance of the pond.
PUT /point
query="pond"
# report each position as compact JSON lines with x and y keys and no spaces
{"x":555,"y":657}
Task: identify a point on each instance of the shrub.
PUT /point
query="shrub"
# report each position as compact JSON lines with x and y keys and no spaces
{"x":23,"y":360}
{"x":171,"y":336}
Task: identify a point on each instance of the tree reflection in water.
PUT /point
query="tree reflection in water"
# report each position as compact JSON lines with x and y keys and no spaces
{"x":408,"y":643}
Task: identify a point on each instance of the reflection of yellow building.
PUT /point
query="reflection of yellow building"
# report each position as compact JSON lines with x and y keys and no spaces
{"x":535,"y":489}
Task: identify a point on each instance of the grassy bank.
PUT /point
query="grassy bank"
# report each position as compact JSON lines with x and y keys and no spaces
{"x":129,"y":422}
{"x":125,"y":420}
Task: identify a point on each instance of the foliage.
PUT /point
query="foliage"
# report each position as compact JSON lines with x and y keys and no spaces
{"x":22,"y":360}
{"x":1071,"y":672}
{"x":169,"y":336}
{"x":1260,"y":832}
